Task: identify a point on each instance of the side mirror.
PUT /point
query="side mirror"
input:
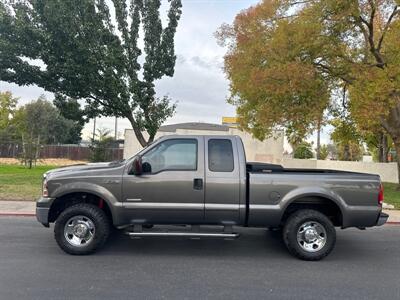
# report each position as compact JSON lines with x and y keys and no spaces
{"x":146,"y":168}
{"x":137,"y":166}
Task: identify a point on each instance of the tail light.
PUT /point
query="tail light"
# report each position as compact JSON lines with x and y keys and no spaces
{"x":380,"y":196}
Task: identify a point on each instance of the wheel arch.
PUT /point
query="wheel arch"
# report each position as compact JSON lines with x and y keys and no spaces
{"x":325,"y":204}
{"x":69,"y":198}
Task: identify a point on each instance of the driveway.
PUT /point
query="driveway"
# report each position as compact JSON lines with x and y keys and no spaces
{"x":364,"y":265}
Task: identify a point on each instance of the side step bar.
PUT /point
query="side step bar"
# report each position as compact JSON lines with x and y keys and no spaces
{"x":195,"y":233}
{"x":183,"y":234}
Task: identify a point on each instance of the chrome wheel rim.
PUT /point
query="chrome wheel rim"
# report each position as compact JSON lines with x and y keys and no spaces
{"x":79,"y":231}
{"x":311,"y":236}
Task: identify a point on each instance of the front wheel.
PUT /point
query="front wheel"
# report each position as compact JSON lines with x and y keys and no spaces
{"x":81,"y":229}
{"x":309,"y":235}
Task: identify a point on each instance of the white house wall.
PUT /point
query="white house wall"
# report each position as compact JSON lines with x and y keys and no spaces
{"x":270,"y":150}
{"x":387,"y":171}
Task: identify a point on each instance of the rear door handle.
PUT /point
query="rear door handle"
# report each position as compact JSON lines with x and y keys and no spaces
{"x":198,"y":184}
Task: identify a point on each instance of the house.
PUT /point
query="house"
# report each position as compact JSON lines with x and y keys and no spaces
{"x":270,"y":150}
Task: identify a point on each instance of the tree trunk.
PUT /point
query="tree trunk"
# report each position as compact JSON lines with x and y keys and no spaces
{"x":380,"y":146}
{"x":383,"y":149}
{"x":137,"y":131}
{"x":386,"y":149}
{"x":23,"y":150}
{"x":151,"y":139}
{"x":37,"y":149}
{"x":392,"y":125}
{"x":319,"y":140}
{"x":346,"y":153}
{"x":397,"y":147}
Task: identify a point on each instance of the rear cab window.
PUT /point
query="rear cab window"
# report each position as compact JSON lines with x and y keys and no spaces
{"x":220,"y":155}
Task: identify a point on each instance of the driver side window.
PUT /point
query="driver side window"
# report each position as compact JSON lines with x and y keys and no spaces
{"x":172,"y":155}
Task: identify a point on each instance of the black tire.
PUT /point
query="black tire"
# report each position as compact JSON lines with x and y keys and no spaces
{"x":101,"y":228}
{"x":295,"y":222}
{"x":275,"y":232}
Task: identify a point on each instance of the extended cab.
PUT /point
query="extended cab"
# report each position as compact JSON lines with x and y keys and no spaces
{"x":205,"y":180}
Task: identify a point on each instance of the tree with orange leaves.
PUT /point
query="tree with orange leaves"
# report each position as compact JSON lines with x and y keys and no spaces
{"x":287,"y":60}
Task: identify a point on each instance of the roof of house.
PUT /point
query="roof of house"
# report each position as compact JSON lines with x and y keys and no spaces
{"x":194,"y":126}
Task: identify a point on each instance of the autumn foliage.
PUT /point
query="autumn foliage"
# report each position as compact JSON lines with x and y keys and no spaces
{"x":287,"y":62}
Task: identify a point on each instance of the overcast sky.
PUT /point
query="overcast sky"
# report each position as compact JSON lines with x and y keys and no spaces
{"x":199,"y":85}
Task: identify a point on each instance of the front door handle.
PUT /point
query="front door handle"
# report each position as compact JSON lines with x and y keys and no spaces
{"x":198,"y":184}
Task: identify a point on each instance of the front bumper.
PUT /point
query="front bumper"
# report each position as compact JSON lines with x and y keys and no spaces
{"x":42,"y":210}
{"x":382,"y":219}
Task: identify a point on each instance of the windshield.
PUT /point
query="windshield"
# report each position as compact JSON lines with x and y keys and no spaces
{"x":145,"y":148}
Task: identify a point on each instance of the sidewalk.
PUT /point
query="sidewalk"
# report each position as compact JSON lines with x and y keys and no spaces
{"x":27,"y":208}
{"x":17,"y":208}
{"x":394,"y":216}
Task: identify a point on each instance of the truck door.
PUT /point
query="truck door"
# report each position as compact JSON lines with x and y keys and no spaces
{"x":222,"y":190}
{"x":171,"y":188}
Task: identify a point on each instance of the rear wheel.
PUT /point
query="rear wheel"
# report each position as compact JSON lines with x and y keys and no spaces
{"x":81,"y":229}
{"x":309,"y":234}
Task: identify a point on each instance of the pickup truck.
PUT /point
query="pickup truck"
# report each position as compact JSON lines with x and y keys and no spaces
{"x":192,"y":181}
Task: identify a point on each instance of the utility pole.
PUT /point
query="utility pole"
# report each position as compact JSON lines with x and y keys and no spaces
{"x":94,"y":128}
{"x":116,"y":128}
{"x":318,"y":139}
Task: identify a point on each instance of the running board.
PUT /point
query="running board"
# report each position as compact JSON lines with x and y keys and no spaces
{"x":192,"y":235}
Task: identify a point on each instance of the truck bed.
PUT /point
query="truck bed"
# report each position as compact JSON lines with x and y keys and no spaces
{"x":271,"y":187}
{"x":256,"y":167}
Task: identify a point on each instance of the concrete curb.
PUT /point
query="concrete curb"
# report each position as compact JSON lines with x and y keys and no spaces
{"x":17,"y":214}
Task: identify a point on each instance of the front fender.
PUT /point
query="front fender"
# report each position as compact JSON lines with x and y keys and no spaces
{"x":90,"y":188}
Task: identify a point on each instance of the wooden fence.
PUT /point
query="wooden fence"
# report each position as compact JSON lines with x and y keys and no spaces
{"x":73,"y":152}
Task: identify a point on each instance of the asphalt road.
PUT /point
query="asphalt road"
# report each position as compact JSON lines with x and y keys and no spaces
{"x":364,"y":265}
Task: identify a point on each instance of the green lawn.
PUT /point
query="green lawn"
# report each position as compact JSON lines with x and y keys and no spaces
{"x":20,"y":183}
{"x":391,"y":195}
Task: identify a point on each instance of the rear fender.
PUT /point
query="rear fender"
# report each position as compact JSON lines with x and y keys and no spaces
{"x":309,"y":192}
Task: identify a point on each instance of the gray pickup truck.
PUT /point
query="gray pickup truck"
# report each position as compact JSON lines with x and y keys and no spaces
{"x":205,"y":180}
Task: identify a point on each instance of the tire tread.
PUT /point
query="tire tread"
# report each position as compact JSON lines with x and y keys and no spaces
{"x":97,"y":215}
{"x":290,"y":234}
